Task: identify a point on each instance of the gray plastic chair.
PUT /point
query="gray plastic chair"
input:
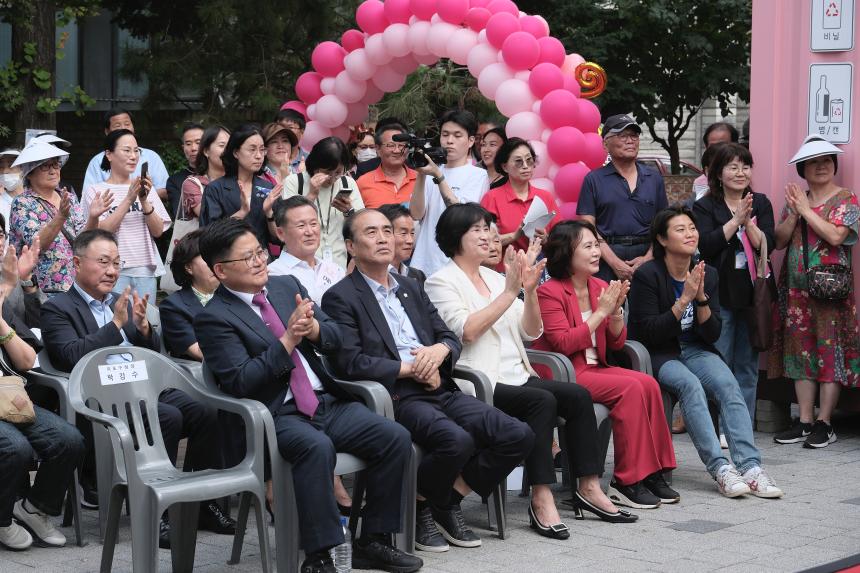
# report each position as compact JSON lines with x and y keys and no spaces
{"x":154,"y":484}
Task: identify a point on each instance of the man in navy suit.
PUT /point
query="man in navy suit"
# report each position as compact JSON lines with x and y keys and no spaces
{"x":393,"y":333}
{"x":260,"y":336}
{"x":91,"y":316}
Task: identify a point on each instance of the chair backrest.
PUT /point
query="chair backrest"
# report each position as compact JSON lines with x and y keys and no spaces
{"x":46,"y":366}
{"x":153,"y":316}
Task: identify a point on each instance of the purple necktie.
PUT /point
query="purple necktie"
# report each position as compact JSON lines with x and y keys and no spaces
{"x":300,"y":384}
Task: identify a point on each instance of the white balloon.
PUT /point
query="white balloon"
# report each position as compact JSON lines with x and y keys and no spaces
{"x":480,"y":57}
{"x":327,"y":86}
{"x":418,"y":33}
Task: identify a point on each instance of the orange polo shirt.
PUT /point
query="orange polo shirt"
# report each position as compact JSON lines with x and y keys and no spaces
{"x":376,"y":189}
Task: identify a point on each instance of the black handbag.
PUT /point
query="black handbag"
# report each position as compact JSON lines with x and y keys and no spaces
{"x":825,"y":282}
{"x":764,"y":294}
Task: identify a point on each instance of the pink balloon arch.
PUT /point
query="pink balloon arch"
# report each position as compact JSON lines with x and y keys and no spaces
{"x":518,"y":65}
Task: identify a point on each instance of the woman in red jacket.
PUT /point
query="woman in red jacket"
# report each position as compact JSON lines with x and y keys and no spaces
{"x":582,"y":317}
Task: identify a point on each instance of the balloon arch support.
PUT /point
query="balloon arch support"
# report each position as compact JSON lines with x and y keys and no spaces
{"x":543,"y":91}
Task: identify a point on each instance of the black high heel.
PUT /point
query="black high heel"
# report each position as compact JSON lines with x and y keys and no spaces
{"x":556,"y":531}
{"x":620,"y":516}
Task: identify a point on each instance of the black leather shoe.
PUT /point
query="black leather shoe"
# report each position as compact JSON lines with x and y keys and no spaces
{"x":453,"y":526}
{"x":427,"y":536}
{"x":213,"y":519}
{"x":555,"y":531}
{"x":620,"y":516}
{"x":88,"y":496}
{"x":318,"y":563}
{"x":373,"y":554}
{"x":164,"y":534}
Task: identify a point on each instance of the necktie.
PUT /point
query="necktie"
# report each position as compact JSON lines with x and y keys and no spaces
{"x":300,"y":384}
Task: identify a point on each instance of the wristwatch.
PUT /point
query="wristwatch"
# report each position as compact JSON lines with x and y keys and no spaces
{"x":703,"y":302}
{"x":438,"y":180}
{"x":349,"y":213}
{"x":28,"y":283}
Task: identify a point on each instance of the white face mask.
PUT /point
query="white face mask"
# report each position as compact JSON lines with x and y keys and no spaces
{"x":365,"y":154}
{"x":10,"y":180}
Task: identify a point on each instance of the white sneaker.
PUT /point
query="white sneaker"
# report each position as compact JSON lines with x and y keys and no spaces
{"x":761,"y":484}
{"x":730,"y":482}
{"x":38,"y":523}
{"x":15,"y":537}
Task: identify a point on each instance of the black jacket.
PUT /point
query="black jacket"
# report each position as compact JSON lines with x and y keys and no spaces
{"x":222,"y":198}
{"x":177,"y":321}
{"x":651,"y":319}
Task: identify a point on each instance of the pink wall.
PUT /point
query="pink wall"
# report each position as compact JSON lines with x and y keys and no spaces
{"x":779,"y":92}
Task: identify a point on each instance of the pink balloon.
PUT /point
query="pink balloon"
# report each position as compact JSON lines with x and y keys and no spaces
{"x":571,"y":85}
{"x":551,"y":51}
{"x":588,"y":116}
{"x":545,"y":78}
{"x":405,"y":65}
{"x":570,"y":63}
{"x":377,"y":53}
{"x":559,"y":108}
{"x":480,"y":57}
{"x":396,"y":40}
{"x":543,"y":162}
{"x":327,"y":86}
{"x":440,"y":35}
{"x":479,"y":3}
{"x":348,"y":89}
{"x":521,"y":51}
{"x":546,"y":133}
{"x":525,"y":124}
{"x":461,"y":44}
{"x":568,"y":182}
{"x":388,"y":80}
{"x":492,"y":77}
{"x":308,"y":87}
{"x":543,"y":23}
{"x":593,"y":152}
{"x":373,"y":94}
{"x":327,"y":58}
{"x":352,"y":40}
{"x":341,"y":132}
{"x":418,"y":33}
{"x":533,"y":25}
{"x":370,"y":16}
{"x":453,"y":11}
{"x":426,"y":59}
{"x":543,"y":183}
{"x":356,"y":113}
{"x":397,"y":11}
{"x":565,"y":145}
{"x":314,"y":132}
{"x":500,"y":26}
{"x":358,"y":65}
{"x":312,"y":111}
{"x":567,"y":211}
{"x":514,"y":96}
{"x":423,"y":9}
{"x":477,"y":18}
{"x":298,"y":106}
{"x":331,"y":112}
{"x":501,"y":6}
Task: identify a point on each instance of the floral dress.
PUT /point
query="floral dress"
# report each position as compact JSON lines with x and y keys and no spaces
{"x":55,"y":271}
{"x":818,"y":340}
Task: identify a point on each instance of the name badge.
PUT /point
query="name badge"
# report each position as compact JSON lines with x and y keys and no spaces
{"x":740,"y":260}
{"x":122,"y":373}
{"x":327,"y":254}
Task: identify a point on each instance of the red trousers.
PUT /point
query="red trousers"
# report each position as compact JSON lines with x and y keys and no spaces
{"x":643,"y":444}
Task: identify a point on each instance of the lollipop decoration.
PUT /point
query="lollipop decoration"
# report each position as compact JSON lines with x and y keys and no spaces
{"x":592,"y":78}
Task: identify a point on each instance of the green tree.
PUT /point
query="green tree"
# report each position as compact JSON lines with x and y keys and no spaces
{"x":663,"y":58}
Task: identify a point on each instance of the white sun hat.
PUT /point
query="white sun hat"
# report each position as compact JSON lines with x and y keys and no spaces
{"x":49,"y":138}
{"x":37,"y":153}
{"x":814,"y":146}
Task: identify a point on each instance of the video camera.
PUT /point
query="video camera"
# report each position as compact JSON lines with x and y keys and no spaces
{"x":417,"y":147}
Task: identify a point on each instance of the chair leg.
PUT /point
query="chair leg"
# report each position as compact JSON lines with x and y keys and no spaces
{"x":111,"y":526}
{"x":286,"y":527}
{"x":357,"y":499}
{"x":499,"y":509}
{"x":76,"y":509}
{"x":145,"y":518}
{"x":263,"y":533}
{"x":183,"y":535}
{"x":524,"y":488}
{"x":405,"y":541}
{"x":241,"y":525}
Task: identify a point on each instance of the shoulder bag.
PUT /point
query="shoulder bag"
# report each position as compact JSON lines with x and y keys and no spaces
{"x":825,"y":282}
{"x":184,"y":224}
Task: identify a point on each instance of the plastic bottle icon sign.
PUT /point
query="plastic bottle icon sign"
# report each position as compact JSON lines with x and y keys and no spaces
{"x":836,"y":107}
{"x":832,"y":19}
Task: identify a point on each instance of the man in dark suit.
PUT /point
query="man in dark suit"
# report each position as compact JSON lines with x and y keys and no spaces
{"x":260,"y":336}
{"x":90,"y":316}
{"x":392,"y":333}
{"x":403,"y":228}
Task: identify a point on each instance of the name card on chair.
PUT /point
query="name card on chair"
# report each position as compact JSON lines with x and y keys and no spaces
{"x":123,"y":372}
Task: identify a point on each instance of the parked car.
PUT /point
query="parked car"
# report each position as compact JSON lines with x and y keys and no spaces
{"x":663,"y":164}
{"x":679,"y":187}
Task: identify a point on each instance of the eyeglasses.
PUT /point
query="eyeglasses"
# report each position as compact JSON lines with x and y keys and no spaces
{"x":48,"y":166}
{"x":527,"y":162}
{"x":250,"y":259}
{"x":129,"y":150}
{"x":626,"y":136}
{"x":104,"y":262}
{"x":391,"y":146}
{"x":735,"y":169}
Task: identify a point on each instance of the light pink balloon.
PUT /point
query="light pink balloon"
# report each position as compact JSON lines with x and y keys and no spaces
{"x":546,"y":133}
{"x":565,"y":145}
{"x":588,"y":116}
{"x":314,"y":132}
{"x":358,"y":65}
{"x":568,"y":182}
{"x":482,"y":37}
{"x":435,"y":19}
{"x":552,"y":171}
{"x":418,"y":33}
{"x":396,"y":40}
{"x":481,"y":56}
{"x":308,"y":87}
{"x":568,"y":211}
{"x":543,"y":163}
{"x":341,"y":132}
{"x":543,"y":23}
{"x":426,"y":59}
{"x":492,"y":77}
{"x":397,"y":11}
{"x":298,"y":106}
{"x":543,"y":183}
{"x":327,"y":58}
{"x":570,"y":63}
{"x":330,"y":112}
{"x":498,"y":6}
{"x":348,"y":89}
{"x":377,"y":52}
{"x":356,"y":113}
{"x":388,"y":80}
{"x":477,"y":18}
{"x":452,"y":11}
{"x":525,"y":124}
{"x":500,"y":26}
{"x":571,"y":85}
{"x":559,"y":108}
{"x":593,"y":152}
{"x":370,"y":16}
{"x":551,"y":51}
{"x":536,"y":106}
{"x":545,"y":78}
{"x":440,"y":35}
{"x":352,"y":40}
{"x":514,"y":96}
{"x":521,"y":51}
{"x":373,"y":94}
{"x":423,"y":9}
{"x":404,"y":65}
{"x":533,"y":25}
{"x":327,"y":86}
{"x":312,"y":111}
{"x":461,"y":44}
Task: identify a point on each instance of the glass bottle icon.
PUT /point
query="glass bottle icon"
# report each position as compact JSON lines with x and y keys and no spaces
{"x":822,"y":101}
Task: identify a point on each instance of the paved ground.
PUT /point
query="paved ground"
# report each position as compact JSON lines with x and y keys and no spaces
{"x":818,"y":521}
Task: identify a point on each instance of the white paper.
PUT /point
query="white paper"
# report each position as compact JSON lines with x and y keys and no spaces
{"x":123,"y":372}
{"x":537,"y":217}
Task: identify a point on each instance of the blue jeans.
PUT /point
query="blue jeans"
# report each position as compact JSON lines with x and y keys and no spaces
{"x":734,"y":345}
{"x":58,"y":445}
{"x":694,"y":377}
{"x":143,"y":286}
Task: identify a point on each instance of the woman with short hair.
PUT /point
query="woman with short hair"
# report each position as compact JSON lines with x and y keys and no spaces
{"x":207,"y":168}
